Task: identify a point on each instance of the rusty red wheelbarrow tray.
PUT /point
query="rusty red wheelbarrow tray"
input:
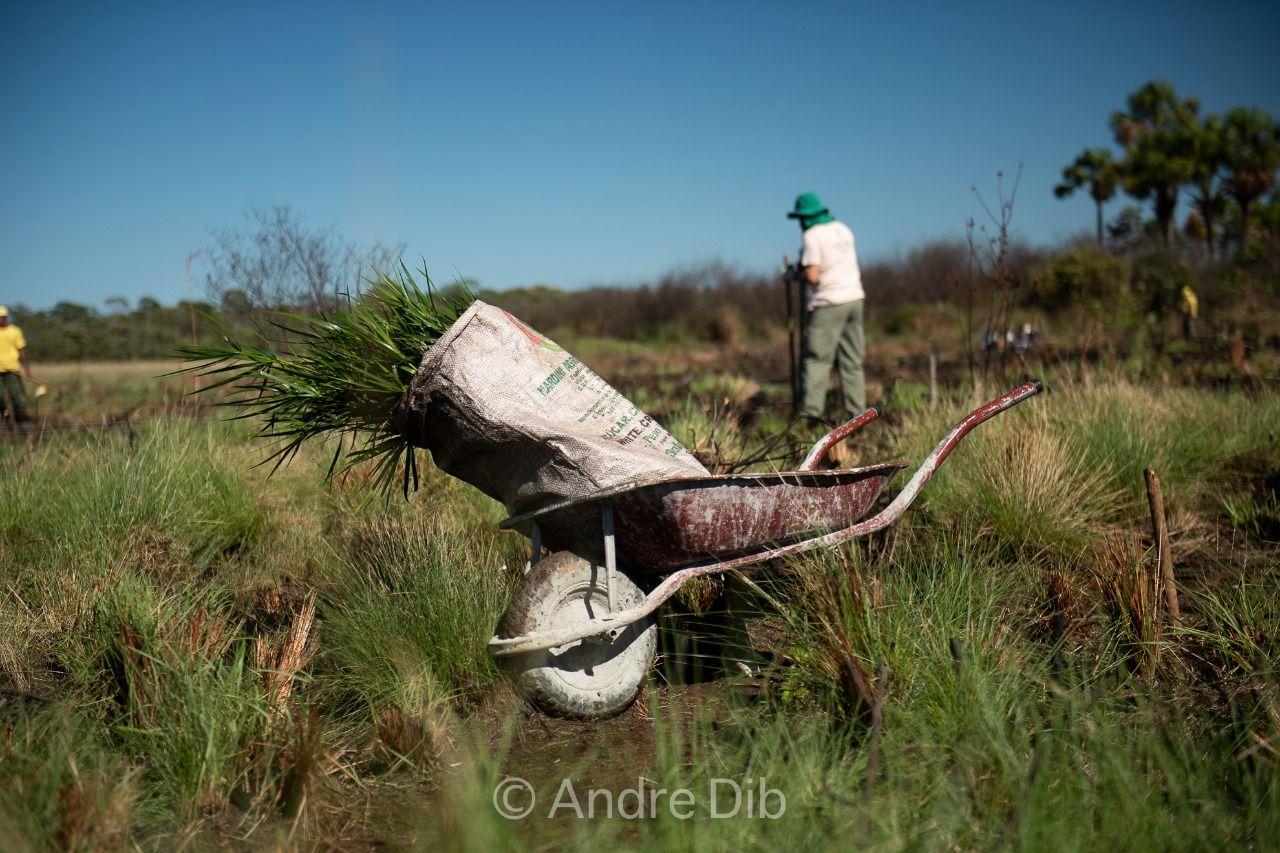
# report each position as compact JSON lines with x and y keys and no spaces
{"x":664,"y":525}
{"x":688,"y":527}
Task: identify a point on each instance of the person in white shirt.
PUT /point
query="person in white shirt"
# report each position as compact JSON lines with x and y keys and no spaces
{"x":834,"y":302}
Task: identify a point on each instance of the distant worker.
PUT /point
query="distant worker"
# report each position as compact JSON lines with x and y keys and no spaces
{"x":833,"y":326}
{"x":1190,"y":307}
{"x":13,"y":366}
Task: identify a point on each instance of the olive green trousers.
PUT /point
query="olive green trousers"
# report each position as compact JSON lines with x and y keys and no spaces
{"x":833,"y":334}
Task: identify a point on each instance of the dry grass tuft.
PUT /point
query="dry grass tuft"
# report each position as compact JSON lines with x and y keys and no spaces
{"x":280,"y":659}
{"x":701,"y":594}
{"x":93,"y":814}
{"x":1042,"y":498}
{"x":419,"y":728}
{"x":1064,"y":593}
{"x":836,"y":602}
{"x":726,"y":327}
{"x":1133,"y":593}
{"x":154,"y":553}
{"x":300,"y":765}
{"x":417,"y":739}
{"x":142,"y":667}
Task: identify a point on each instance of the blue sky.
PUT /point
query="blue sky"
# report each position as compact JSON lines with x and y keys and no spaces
{"x":565,"y":143}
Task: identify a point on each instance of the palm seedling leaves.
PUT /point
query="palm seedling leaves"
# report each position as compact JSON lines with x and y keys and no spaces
{"x":338,"y":375}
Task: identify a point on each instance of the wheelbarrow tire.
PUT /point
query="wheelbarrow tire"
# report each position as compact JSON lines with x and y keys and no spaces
{"x":587,"y":679}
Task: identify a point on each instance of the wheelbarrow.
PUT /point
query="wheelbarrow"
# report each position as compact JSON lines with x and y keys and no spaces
{"x":579,"y":635}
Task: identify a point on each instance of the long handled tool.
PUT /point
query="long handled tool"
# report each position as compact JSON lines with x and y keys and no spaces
{"x":42,"y":387}
{"x":790,"y":283}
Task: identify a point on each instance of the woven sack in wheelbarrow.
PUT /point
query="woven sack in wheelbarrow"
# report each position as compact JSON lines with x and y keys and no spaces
{"x":508,"y":411}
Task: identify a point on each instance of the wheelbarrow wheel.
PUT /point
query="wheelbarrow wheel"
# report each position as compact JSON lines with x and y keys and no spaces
{"x":586,"y":679}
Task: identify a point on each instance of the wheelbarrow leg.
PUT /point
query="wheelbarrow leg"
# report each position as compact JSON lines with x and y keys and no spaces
{"x":535,"y":547}
{"x":610,"y":553}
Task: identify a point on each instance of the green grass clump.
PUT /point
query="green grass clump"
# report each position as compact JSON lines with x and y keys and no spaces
{"x":65,"y":786}
{"x":341,"y":375}
{"x":1037,"y":491}
{"x":417,"y":594}
{"x":181,"y":694}
{"x":847,"y":614}
{"x":174,"y":497}
{"x":1058,"y":474}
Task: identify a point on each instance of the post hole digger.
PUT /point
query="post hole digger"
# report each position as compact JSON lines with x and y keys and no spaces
{"x":793,"y":292}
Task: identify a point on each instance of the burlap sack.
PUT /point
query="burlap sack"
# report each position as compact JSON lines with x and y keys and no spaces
{"x":510,"y":412}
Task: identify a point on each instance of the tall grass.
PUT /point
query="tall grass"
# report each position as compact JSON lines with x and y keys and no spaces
{"x":174,"y":497}
{"x":182,"y":699}
{"x":65,"y":787}
{"x":216,"y":657}
{"x":418,"y":593}
{"x":1007,"y":764}
{"x":1061,"y":472}
{"x":1033,"y":491}
{"x":162,"y":589}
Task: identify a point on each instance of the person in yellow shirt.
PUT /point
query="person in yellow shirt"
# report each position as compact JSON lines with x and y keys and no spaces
{"x":1190,"y":307}
{"x":13,"y":366}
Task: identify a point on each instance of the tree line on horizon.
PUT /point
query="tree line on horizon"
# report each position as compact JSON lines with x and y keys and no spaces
{"x":1228,"y":251}
{"x":1224,"y":164}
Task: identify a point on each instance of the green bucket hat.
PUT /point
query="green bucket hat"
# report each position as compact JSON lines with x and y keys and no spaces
{"x":809,"y":210}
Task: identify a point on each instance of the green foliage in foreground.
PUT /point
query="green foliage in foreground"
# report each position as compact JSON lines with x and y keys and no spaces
{"x":991,"y":739}
{"x":340,"y":375}
{"x":218,"y":657}
{"x":1058,"y":476}
{"x":183,"y":622}
{"x":400,"y":612}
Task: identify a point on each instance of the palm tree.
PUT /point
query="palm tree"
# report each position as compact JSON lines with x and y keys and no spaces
{"x":1153,"y":132}
{"x":1205,"y":145}
{"x":1252,"y":155}
{"x":1095,"y":171}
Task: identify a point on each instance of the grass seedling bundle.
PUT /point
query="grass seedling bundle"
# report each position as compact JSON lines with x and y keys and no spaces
{"x":341,"y":374}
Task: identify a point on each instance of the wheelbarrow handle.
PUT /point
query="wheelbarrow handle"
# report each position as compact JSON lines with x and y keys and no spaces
{"x":614,"y":623}
{"x":935,"y":459}
{"x":820,"y":449}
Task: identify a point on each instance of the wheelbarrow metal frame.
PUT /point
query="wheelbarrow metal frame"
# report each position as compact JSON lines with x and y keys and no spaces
{"x":611,"y":626}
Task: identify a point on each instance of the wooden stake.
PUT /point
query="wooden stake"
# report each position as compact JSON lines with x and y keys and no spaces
{"x":1161,"y":532}
{"x":933,"y":381}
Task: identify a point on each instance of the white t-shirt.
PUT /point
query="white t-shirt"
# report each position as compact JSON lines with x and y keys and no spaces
{"x":829,"y":246}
